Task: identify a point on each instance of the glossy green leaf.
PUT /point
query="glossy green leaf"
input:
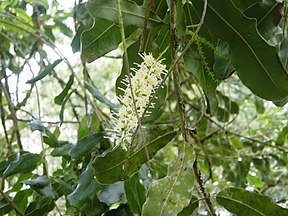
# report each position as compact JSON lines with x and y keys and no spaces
{"x":86,"y":145}
{"x":42,"y":186}
{"x":132,"y":13}
{"x":116,"y":164}
{"x":62,"y":151}
{"x":47,"y":70}
{"x":260,"y":70}
{"x":135,"y":194}
{"x":59,"y":98}
{"x":242,"y":203}
{"x":99,"y":96}
{"x":86,"y":189}
{"x":23,"y":163}
{"x":187,"y":211}
{"x":170,"y":195}
{"x":244,"y":4}
{"x":21,"y":199}
{"x":282,"y":136}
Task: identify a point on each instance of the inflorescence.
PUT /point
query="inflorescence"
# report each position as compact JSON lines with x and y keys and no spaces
{"x":147,"y":78}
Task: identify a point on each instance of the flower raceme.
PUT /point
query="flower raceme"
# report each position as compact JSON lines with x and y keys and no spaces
{"x":145,"y":81}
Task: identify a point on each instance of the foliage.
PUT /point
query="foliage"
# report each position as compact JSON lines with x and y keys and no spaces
{"x":209,"y":141}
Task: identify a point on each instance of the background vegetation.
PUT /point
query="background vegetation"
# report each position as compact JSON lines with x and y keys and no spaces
{"x":215,"y":143}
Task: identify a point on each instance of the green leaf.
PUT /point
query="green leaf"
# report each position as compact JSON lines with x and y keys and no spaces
{"x":242,"y":203}
{"x":116,"y":164}
{"x":21,"y":199}
{"x":88,"y":124}
{"x":187,"y":211}
{"x":59,"y":98}
{"x":282,"y":136}
{"x":135,"y":194}
{"x":41,"y":206}
{"x":36,"y":124}
{"x":42,"y":186}
{"x":259,"y":104}
{"x":244,"y":4}
{"x":261,"y":71}
{"x":47,"y":70}
{"x":62,"y":151}
{"x":170,"y":195}
{"x":86,"y":145}
{"x":86,"y":188}
{"x":132,"y":13}
{"x":61,"y":115}
{"x":5,"y":207}
{"x":99,"y":96}
{"x":23,"y":163}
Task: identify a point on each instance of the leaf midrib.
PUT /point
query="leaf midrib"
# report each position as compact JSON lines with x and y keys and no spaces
{"x":244,"y":40}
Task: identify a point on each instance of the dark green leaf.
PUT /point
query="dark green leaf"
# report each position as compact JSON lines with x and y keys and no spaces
{"x":99,"y":96}
{"x":61,"y":115}
{"x":115,"y":165}
{"x":86,"y":188}
{"x":242,"y":203}
{"x":59,"y":98}
{"x":5,"y":208}
{"x":135,"y":194}
{"x":282,"y":136}
{"x":261,"y":71}
{"x":259,"y":104}
{"x":244,"y":4}
{"x":24,"y":163}
{"x":47,"y":70}
{"x":40,"y":207}
{"x":42,"y":186}
{"x":36,"y":124}
{"x":21,"y":198}
{"x":132,"y":13}
{"x":89,"y":124}
{"x":86,"y":145}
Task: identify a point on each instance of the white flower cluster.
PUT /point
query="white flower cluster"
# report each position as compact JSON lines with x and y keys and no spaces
{"x":147,"y":78}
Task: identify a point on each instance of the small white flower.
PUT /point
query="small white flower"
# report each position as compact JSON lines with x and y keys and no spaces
{"x":148,"y":77}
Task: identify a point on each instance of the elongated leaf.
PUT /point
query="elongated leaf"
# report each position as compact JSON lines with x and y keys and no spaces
{"x":135,"y":193}
{"x":5,"y":207}
{"x":116,"y":165}
{"x":170,"y":195}
{"x":24,"y":163}
{"x":86,"y":145}
{"x":40,"y":207}
{"x":47,"y":70}
{"x":61,"y":114}
{"x":86,"y":189}
{"x":62,"y":151}
{"x":243,"y":203}
{"x":255,"y":61}
{"x":132,"y":13}
{"x":42,"y":186}
{"x":99,"y":96}
{"x":59,"y":98}
{"x":21,"y":198}
{"x":282,"y":136}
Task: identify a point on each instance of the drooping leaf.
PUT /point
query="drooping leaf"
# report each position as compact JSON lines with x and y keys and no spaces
{"x":24,"y":163}
{"x":86,"y":189}
{"x":242,"y":203}
{"x":86,"y":145}
{"x":59,"y":98}
{"x":116,"y":164}
{"x":99,"y":96}
{"x":61,"y":114}
{"x":62,"y":151}
{"x":132,"y":13}
{"x":282,"y":136}
{"x":42,"y":186}
{"x":170,"y":195}
{"x":5,"y":207}
{"x":47,"y":70}
{"x":260,"y":70}
{"x":135,"y":193}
